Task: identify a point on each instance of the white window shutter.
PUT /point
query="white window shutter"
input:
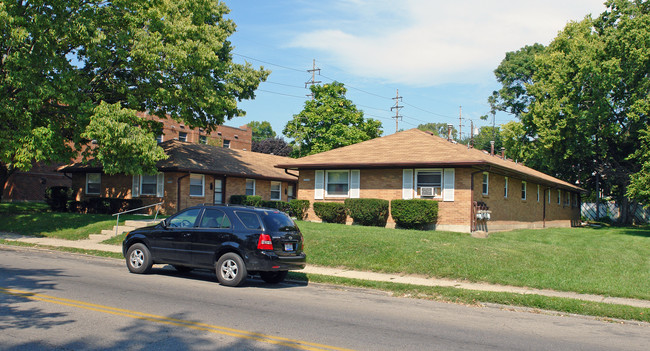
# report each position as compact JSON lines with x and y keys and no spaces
{"x":135,"y":189}
{"x":355,"y":183}
{"x":407,"y":184}
{"x":448,"y":190}
{"x":319,"y":187}
{"x":160,"y":185}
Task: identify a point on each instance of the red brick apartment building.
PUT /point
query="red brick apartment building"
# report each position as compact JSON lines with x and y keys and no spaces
{"x":466,"y":182}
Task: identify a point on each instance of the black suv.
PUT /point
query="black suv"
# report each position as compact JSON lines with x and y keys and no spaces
{"x":234,"y":240}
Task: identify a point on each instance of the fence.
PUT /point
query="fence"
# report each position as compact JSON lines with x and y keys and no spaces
{"x":590,"y":212}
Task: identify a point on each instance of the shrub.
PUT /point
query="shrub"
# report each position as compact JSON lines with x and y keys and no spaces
{"x":279,"y":205}
{"x":414,"y":214}
{"x":299,"y":208}
{"x":57,"y":197}
{"x":368,"y":212}
{"x":104,"y":205}
{"x":246,"y":200}
{"x":330,"y":212}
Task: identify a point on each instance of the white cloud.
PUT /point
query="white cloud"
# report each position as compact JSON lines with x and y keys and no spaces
{"x":431,"y":42}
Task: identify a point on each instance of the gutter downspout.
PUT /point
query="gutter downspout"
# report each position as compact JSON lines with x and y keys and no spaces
{"x":178,"y":192}
{"x":291,"y":174}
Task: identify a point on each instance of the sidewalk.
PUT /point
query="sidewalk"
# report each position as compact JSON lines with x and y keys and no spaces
{"x":94,"y":243}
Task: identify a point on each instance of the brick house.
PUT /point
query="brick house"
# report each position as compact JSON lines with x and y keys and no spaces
{"x":31,"y":185}
{"x":416,"y":164}
{"x":193,"y":174}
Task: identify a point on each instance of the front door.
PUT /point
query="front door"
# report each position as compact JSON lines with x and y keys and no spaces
{"x":218,"y":191}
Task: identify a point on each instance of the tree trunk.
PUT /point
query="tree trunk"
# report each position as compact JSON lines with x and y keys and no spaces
{"x":624,"y":217}
{"x":5,"y":172}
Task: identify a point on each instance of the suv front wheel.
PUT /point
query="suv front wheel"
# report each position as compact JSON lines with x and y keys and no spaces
{"x":231,"y":270}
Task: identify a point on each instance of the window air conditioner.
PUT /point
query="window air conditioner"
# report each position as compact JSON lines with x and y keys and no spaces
{"x":427,"y":191}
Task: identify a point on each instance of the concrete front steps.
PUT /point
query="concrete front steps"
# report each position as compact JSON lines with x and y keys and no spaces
{"x":128,"y":226}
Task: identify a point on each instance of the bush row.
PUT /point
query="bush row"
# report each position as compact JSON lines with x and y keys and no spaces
{"x":295,"y":208}
{"x":408,"y":214}
{"x":104,"y":205}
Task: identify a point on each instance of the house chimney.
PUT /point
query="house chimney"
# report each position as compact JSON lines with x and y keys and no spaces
{"x":449,"y":126}
{"x":492,"y":148}
{"x":503,"y":153}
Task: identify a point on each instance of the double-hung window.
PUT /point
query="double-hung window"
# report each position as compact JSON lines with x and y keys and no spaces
{"x":523,"y":190}
{"x":276,"y":191}
{"x":197,"y":182}
{"x":486,"y":183}
{"x":148,"y":184}
{"x":337,"y":183}
{"x":93,"y":183}
{"x":537,"y":192}
{"x":505,"y":188}
{"x":428,"y":182}
{"x":182,"y":136}
{"x":250,"y":186}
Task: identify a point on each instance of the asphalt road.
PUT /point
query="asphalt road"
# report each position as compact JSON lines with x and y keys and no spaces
{"x":52,"y":300}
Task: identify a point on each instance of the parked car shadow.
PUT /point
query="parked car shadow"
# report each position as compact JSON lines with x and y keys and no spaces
{"x":210,"y":276}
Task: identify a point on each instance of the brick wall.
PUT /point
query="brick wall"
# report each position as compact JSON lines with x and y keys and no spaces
{"x":514,"y":212}
{"x":31,"y":185}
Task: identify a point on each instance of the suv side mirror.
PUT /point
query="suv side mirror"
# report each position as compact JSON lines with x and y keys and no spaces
{"x":164,"y":223}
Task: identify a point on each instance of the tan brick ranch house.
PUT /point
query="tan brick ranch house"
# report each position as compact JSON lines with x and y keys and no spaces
{"x":193,"y":174}
{"x":416,"y":164}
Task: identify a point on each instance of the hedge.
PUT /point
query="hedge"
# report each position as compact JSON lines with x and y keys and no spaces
{"x":330,"y":212}
{"x":246,"y":200}
{"x":57,"y":197}
{"x":299,"y":208}
{"x":415,"y":213}
{"x":104,"y":205}
{"x":368,"y":212}
{"x":278,"y":205}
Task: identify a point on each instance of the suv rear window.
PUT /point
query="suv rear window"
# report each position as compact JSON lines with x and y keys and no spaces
{"x":278,"y":222}
{"x":250,"y":219}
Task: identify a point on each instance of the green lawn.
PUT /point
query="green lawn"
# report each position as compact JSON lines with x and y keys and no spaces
{"x":607,"y":261}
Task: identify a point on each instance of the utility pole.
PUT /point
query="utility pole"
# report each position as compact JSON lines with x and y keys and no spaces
{"x":397,"y":99}
{"x":470,"y":144}
{"x":460,"y":124}
{"x":313,"y":77}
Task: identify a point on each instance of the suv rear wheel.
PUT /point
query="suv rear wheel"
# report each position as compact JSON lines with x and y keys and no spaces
{"x":231,"y":270}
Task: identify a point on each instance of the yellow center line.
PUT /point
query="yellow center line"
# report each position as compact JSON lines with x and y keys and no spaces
{"x":276,"y":340}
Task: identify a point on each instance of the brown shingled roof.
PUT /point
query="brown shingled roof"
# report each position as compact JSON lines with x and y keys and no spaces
{"x":415,"y":148}
{"x":208,"y":159}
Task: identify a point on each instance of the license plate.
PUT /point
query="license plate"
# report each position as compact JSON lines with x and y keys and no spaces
{"x":288,"y":247}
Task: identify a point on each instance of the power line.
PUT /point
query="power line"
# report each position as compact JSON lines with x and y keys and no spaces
{"x":275,"y":92}
{"x":269,"y":63}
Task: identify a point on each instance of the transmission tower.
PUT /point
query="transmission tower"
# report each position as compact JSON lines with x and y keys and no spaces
{"x":397,"y":117}
{"x":313,"y":78}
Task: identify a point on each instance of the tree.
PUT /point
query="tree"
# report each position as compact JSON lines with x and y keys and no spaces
{"x":485,"y":135}
{"x":261,"y":130}
{"x":273,"y":146}
{"x":329,"y":121}
{"x":512,"y":137}
{"x":439,"y":129}
{"x":72,"y":71}
{"x":587,"y":101}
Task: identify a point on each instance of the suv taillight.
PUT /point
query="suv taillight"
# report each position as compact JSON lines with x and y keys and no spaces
{"x":264,"y":242}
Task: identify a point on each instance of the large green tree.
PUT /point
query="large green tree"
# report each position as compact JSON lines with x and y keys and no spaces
{"x":75,"y":71}
{"x":329,"y":121}
{"x":439,"y":129}
{"x":587,"y":102}
{"x":261,"y":130}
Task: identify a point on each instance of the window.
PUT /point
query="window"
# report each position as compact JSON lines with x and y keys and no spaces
{"x":93,"y":183}
{"x":537,"y":192}
{"x":575,"y":200}
{"x":549,"y":195}
{"x":203,"y":139}
{"x":213,"y":218}
{"x":559,"y":197}
{"x":249,"y":219}
{"x":486,"y":182}
{"x":182,"y":136}
{"x":148,"y":184}
{"x":431,"y":181}
{"x":523,"y":189}
{"x":184,"y":219}
{"x":250,"y":186}
{"x":159,"y":139}
{"x":567,"y":198}
{"x":337,"y":183}
{"x":276,"y":191}
{"x":196,"y":184}
{"x":505,"y":188}
{"x":226,"y":144}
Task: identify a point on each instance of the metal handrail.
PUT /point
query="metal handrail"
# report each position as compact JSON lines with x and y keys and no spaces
{"x":117,"y":225}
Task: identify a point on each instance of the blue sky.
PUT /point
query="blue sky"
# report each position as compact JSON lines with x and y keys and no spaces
{"x":439,"y":54}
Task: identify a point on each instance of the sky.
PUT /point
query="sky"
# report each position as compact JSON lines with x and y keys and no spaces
{"x":438,"y":55}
